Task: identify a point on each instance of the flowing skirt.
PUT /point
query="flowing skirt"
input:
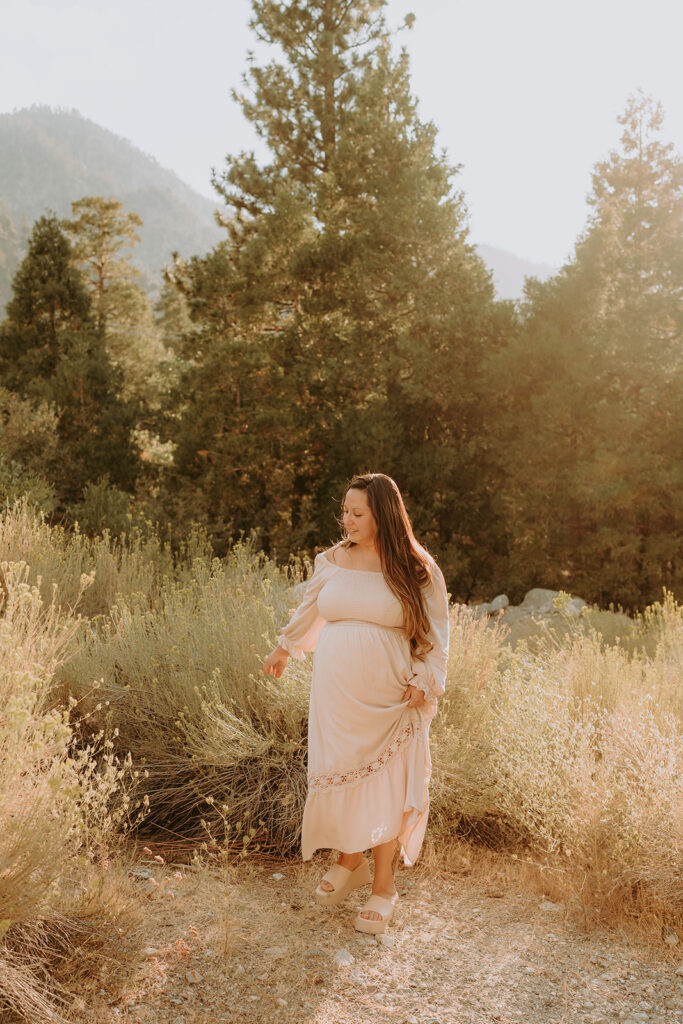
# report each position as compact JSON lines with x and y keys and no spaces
{"x":368,"y":753}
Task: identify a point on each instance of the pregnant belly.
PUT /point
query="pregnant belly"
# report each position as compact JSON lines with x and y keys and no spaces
{"x":360,"y":672}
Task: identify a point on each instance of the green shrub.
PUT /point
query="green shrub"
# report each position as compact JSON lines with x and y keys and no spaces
{"x":572,"y":752}
{"x":187,"y":696}
{"x":103,"y":509}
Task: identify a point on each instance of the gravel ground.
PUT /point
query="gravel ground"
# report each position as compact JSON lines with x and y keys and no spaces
{"x":460,"y":950}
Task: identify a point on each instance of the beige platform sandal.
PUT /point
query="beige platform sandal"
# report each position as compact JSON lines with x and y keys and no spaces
{"x":344,"y":881}
{"x":381,"y":905}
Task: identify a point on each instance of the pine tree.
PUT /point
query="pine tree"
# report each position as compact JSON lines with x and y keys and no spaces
{"x":345,"y":320}
{"x":101,"y":233}
{"x":594,"y":390}
{"x":51,"y":351}
{"x":49,"y":306}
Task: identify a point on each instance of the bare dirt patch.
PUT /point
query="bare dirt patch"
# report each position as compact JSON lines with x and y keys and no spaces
{"x":463,"y":948}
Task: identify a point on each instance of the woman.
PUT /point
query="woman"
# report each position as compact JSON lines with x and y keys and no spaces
{"x":376,"y":613}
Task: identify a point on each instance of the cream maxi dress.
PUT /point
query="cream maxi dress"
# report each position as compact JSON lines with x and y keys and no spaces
{"x":368,"y":753}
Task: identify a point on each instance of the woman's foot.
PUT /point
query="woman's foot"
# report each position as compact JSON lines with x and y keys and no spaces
{"x":376,"y":914}
{"x":387,"y":894}
{"x":347,"y":860}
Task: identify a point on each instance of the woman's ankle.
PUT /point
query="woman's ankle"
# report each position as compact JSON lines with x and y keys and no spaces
{"x":350,"y":859}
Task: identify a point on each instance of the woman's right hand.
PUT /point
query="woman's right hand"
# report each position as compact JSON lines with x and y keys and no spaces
{"x":276,"y":662}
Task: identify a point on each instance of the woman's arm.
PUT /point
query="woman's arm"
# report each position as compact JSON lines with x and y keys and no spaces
{"x":429,"y":674}
{"x":302,"y":631}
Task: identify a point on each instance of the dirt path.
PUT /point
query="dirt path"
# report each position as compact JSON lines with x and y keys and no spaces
{"x":460,"y":951}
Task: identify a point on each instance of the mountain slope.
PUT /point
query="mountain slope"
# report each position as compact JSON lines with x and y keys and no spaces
{"x":49,"y":158}
{"x":510,"y":271}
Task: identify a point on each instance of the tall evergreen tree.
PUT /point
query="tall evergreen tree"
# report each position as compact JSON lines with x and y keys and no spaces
{"x":51,"y":351}
{"x":103,"y":237}
{"x":342,"y":326}
{"x":591,"y":438}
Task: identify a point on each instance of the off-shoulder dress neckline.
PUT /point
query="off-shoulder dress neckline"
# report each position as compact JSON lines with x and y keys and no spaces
{"x":371,"y":572}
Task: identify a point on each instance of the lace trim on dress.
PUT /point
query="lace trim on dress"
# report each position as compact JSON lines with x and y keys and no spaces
{"x":421,"y":684}
{"x":326,"y":780}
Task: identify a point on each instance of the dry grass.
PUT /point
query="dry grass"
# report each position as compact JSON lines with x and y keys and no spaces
{"x":570,"y":752}
{"x":60,"y":809}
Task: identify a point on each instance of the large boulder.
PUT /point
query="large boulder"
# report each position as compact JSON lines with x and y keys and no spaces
{"x":574,"y":607}
{"x":491,"y":607}
{"x":542,"y":602}
{"x":539,"y":601}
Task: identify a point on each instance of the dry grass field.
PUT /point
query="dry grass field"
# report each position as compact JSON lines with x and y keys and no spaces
{"x":133,"y":711}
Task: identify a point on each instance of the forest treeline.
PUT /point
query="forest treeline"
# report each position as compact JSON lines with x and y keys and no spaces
{"x":345,"y":324}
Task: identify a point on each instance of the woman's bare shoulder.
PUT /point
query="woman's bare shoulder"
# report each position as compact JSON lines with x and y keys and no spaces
{"x":330,"y":553}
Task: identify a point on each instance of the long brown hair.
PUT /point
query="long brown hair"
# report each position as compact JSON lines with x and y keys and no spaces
{"x":405,"y":563}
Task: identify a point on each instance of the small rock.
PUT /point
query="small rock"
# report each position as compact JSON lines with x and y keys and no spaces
{"x":140,"y":873}
{"x":548,"y":905}
{"x":277,"y":952}
{"x":386,"y":940}
{"x":365,"y":940}
{"x":178,"y":1020}
{"x":281,"y":1002}
{"x":192,"y":977}
{"x":343,"y":958}
{"x":252,"y":999}
{"x":277,"y":876}
{"x":410,"y":1020}
{"x":150,"y":951}
{"x":679,"y":969}
{"x":239,"y":969}
{"x":501,"y":601}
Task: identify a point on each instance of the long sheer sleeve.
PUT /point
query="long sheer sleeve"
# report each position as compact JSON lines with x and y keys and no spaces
{"x":430,"y":674}
{"x":302,"y":631}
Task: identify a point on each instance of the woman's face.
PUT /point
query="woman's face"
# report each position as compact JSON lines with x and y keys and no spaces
{"x":358,"y":519}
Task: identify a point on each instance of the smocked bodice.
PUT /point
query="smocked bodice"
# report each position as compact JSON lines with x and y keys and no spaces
{"x":359,"y":594}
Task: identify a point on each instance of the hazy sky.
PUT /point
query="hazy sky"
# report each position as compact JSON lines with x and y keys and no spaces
{"x":525,"y":93}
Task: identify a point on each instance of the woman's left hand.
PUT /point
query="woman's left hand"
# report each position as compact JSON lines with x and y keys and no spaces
{"x":414,"y":696}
